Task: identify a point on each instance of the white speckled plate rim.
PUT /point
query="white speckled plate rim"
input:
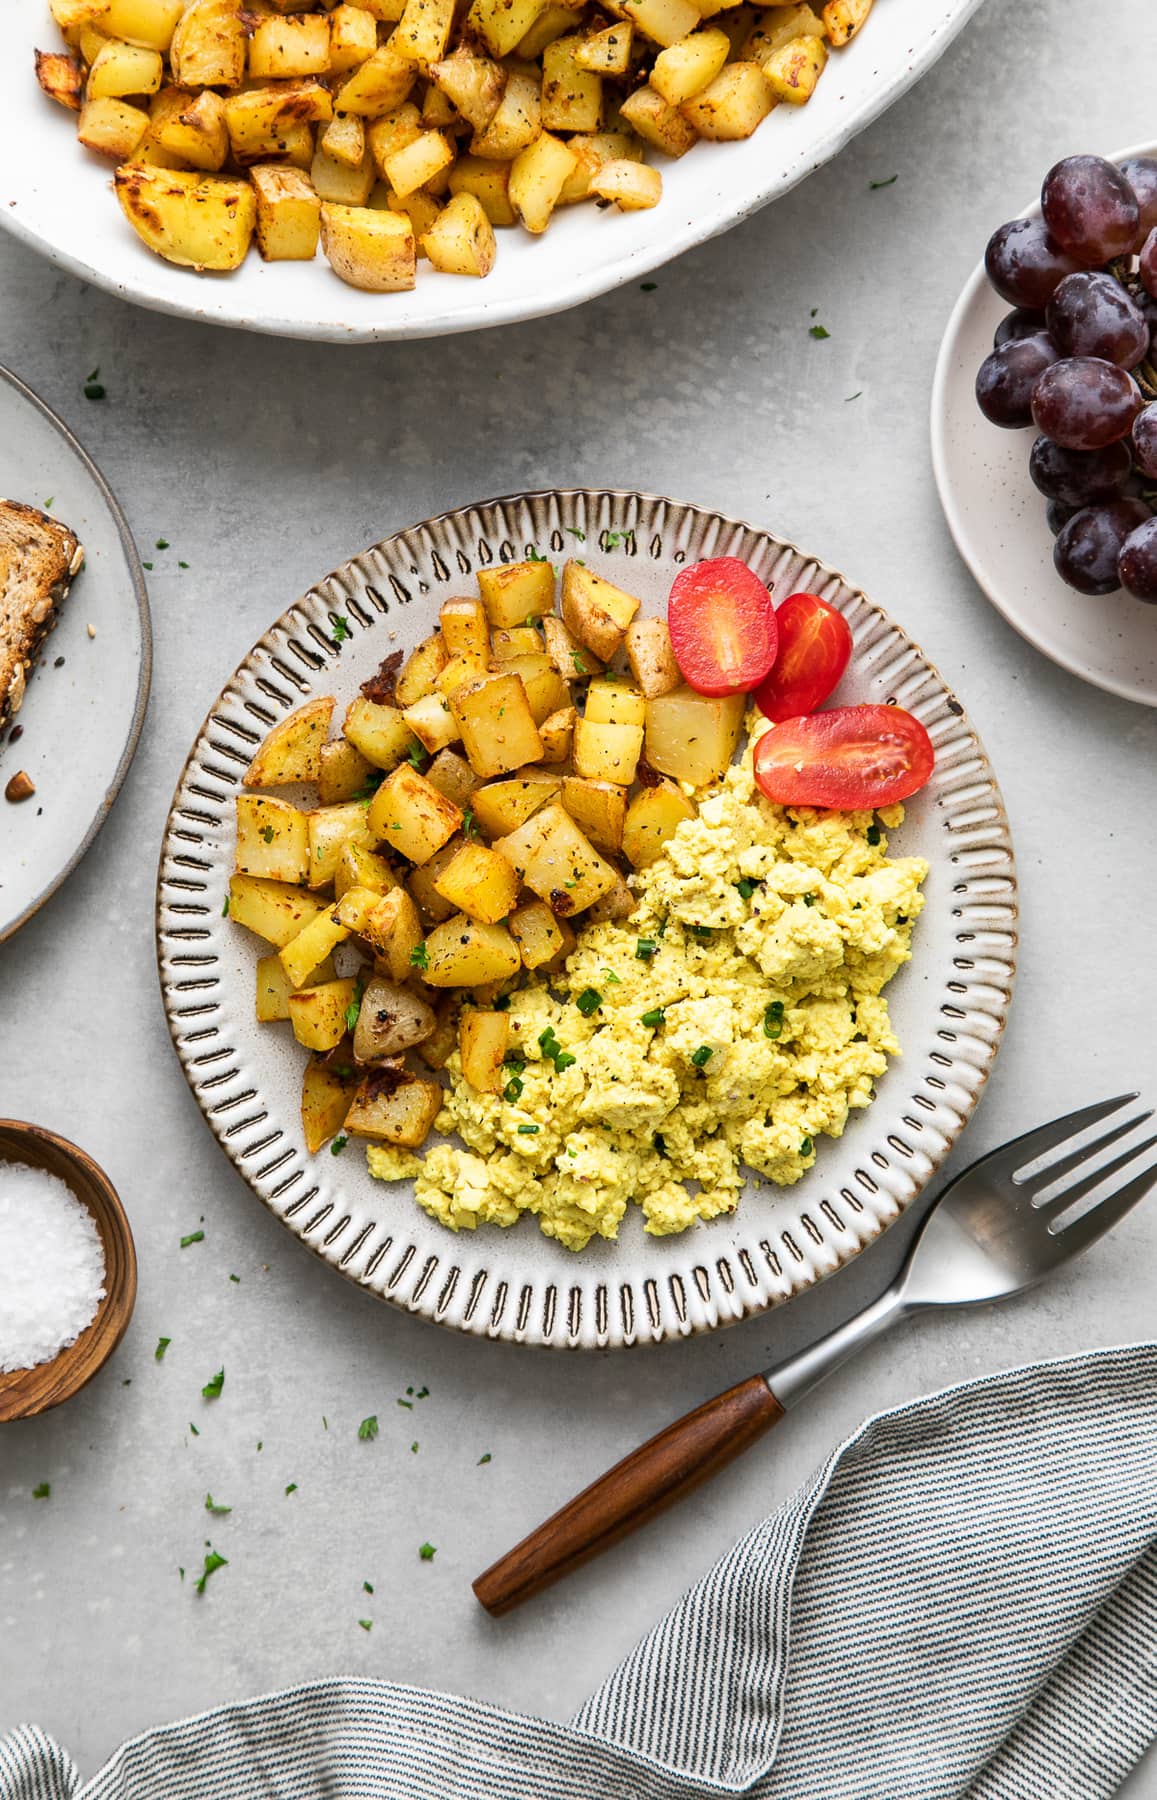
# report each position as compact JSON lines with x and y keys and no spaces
{"x":518,"y":1284}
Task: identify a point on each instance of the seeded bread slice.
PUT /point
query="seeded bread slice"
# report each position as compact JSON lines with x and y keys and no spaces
{"x":38,"y":559}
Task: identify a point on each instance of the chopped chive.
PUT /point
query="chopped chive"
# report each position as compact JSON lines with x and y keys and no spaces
{"x":773,"y":1019}
{"x":162,"y":1346}
{"x":213,"y":1506}
{"x":645,"y":948}
{"x":745,"y":888}
{"x":883,"y":184}
{"x":367,"y":1587}
{"x":702,"y":933}
{"x":806,"y":1147}
{"x":513,"y":1090}
{"x":528,"y":1130}
{"x":291,"y":1488}
{"x":809,"y":899}
{"x":562,"y":1061}
{"x":654,"y":1017}
{"x":193,"y":1237}
{"x":225,"y":908}
{"x":212,"y":1388}
{"x":702,"y":1056}
{"x":368,"y":1429}
{"x":589,"y":1001}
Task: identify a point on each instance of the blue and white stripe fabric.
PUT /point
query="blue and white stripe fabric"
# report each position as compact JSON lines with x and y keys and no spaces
{"x":962,"y":1603}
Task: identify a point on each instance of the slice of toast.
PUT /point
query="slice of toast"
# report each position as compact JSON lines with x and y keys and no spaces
{"x":38,"y":559}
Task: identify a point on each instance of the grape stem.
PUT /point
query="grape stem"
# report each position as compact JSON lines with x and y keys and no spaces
{"x":1122,"y":271}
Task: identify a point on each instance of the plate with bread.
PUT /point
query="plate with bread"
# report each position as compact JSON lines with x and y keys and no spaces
{"x":75,"y":652}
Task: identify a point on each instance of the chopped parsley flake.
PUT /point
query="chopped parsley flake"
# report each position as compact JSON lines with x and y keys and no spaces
{"x":366,"y":1624}
{"x":341,"y":628}
{"x":267,"y":833}
{"x":193,"y":1237}
{"x":575,"y":532}
{"x":702,"y":1056}
{"x":163,"y":544}
{"x":162,"y":1346}
{"x":338,"y":1145}
{"x":532,"y":555}
{"x":427,"y":1552}
{"x":43,"y":1492}
{"x":612,"y":539}
{"x":589,"y":1001}
{"x":367,"y":1587}
{"x":418,"y":755}
{"x":212,"y":1388}
{"x":648,"y":287}
{"x":213,"y":1506}
{"x":368,"y":1429}
{"x":806,"y":1147}
{"x":352,"y":1011}
{"x":93,"y":390}
{"x":654,"y":1018}
{"x":818,"y":331}
{"x":196,"y":1433}
{"x":419,"y":957}
{"x":611,"y":978}
{"x":213,"y":1562}
{"x":580,"y":665}
{"x":469,"y":823}
{"x":236,"y":1278}
{"x":484,"y":1458}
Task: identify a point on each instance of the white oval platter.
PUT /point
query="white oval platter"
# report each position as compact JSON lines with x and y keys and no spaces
{"x":57,"y":197}
{"x":997,"y":517}
{"x":949,"y":1004}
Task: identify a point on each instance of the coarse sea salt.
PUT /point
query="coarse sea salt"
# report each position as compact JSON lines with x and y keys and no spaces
{"x":51,"y":1267}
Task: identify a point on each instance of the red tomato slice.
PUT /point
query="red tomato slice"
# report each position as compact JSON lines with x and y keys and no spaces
{"x":815,"y":644}
{"x":722,"y":626}
{"x":851,"y":758}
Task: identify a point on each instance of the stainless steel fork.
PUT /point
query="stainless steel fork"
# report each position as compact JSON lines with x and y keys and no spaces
{"x":1004,"y":1224}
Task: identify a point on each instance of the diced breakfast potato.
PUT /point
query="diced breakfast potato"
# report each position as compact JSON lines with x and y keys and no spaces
{"x":482,"y":1040}
{"x":294,"y":749}
{"x":685,"y":68}
{"x":607,"y":752}
{"x":843,"y":18}
{"x":461,"y":669}
{"x":489,"y":182}
{"x":502,"y":24}
{"x":652,"y":660}
{"x":664,"y":21}
{"x":552,"y":22}
{"x":792,"y":72}
{"x":281,"y":47}
{"x":272,"y":839}
{"x":543,"y":686}
{"x":72,"y":15}
{"x":359,"y":866}
{"x":344,"y":772}
{"x":417,"y":163}
{"x":421,"y":669}
{"x":607,"y":52}
{"x":368,"y":249}
{"x":412,"y":817}
{"x":330,"y":829}
{"x":378,"y":731}
{"x":516,"y":122}
{"x":473,"y":84}
{"x":396,"y":932}
{"x":150,"y":23}
{"x":646,"y":112}
{"x":275,"y":910}
{"x":61,"y":77}
{"x":353,"y":36}
{"x":452,"y":775}
{"x":464,"y":952}
{"x":274,"y":987}
{"x":461,"y":239}
{"x":652,"y":817}
{"x":537,"y":178}
{"x":573,"y":660}
{"x":778,"y":26}
{"x":391,"y":1020}
{"x":595,"y":610}
{"x":377,"y":85}
{"x":432,"y":723}
{"x":557,"y":734}
{"x":594,"y":150}
{"x":515,"y":593}
{"x":422,"y":883}
{"x":394,"y":1107}
{"x":691,"y":736}
{"x":325,"y":1101}
{"x":496,"y":723}
{"x":120,"y":69}
{"x":598,"y":808}
{"x":617,"y":903}
{"x":480,"y":883}
{"x":112,"y":128}
{"x":317,"y":1014}
{"x":423,"y":31}
{"x":436,"y":1050}
{"x":342,"y":183}
{"x":197,"y":221}
{"x":195,"y":132}
{"x":572,"y":96}
{"x":538,"y":934}
{"x":208,"y":47}
{"x":733,"y":105}
{"x":557,"y":862}
{"x":502,"y":806}
{"x":465,"y":628}
{"x":517,"y":641}
{"x":633,"y":186}
{"x":614,"y":702}
{"x":344,"y":140}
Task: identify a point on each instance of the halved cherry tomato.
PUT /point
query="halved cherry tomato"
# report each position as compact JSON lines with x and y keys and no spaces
{"x":851,"y":758}
{"x":722,"y":626}
{"x":815,"y":644}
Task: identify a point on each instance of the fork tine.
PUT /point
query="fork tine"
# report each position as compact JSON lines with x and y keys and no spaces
{"x":1053,"y":1205}
{"x":1106,"y":1213}
{"x":1041,"y":1149}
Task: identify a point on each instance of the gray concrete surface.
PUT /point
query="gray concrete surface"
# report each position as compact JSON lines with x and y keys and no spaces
{"x":266,"y":463}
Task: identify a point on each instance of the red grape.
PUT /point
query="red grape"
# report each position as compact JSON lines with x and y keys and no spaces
{"x":1137,"y":563}
{"x":1090,"y":209}
{"x":1149,"y":263}
{"x":1093,"y":315}
{"x":1006,"y":379}
{"x":1023,"y":263}
{"x":1019,"y":324}
{"x":1084,"y":403}
{"x":1141,"y":174}
{"x":1145,"y":441}
{"x":1078,"y":477}
{"x":1086,"y":551}
{"x":1058,"y":514}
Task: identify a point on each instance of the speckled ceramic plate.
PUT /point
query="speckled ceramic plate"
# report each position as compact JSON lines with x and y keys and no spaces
{"x":998,"y":519}
{"x":86,"y":700}
{"x":56,"y":197}
{"x":949,"y":1004}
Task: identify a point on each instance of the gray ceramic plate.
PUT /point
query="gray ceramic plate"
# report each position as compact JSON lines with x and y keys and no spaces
{"x":949,"y":1005}
{"x":81,"y":718}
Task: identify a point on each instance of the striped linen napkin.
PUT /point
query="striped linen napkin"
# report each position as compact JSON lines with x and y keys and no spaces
{"x":961,"y":1603}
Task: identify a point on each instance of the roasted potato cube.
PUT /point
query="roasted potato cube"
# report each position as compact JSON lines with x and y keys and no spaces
{"x":502,"y":24}
{"x":72,"y":15}
{"x":517,"y":640}
{"x":197,"y":221}
{"x":598,"y":808}
{"x":496,"y":723}
{"x":500,"y":807}
{"x":617,"y":903}
{"x":633,"y":186}
{"x":208,"y":46}
{"x":330,"y":829}
{"x":607,"y":752}
{"x":461,"y":239}
{"x":412,"y":817}
{"x":113,"y":128}
{"x":684,"y":69}
{"x":432,"y":722}
{"x":489,"y":182}
{"x":339,"y":183}
{"x":317,"y":940}
{"x":275,"y":910}
{"x":283,"y":47}
{"x":606,"y":52}
{"x":294,"y":748}
{"x":572,"y":660}
{"x":394,"y":1107}
{"x":422,"y":883}
{"x":377,"y":85}
{"x":465,"y":629}
{"x":420,"y":208}
{"x":423,"y":32}
{"x":473,"y":84}
{"x":438,"y":112}
{"x":260,"y":116}
{"x":150,"y":23}
{"x":458,"y":670}
{"x":452,"y":775}
{"x":651,"y":657}
{"x":273,"y":988}
{"x":652,"y":817}
{"x":594,"y":150}
{"x":557,"y":862}
{"x":395,"y":931}
{"x":121,"y":69}
{"x":691,"y":736}
{"x":196,"y":134}
{"x":612,"y":702}
{"x":537,"y":177}
{"x":777,"y":27}
{"x":387,"y":12}
{"x":343,"y":774}
{"x":318,"y":1014}
{"x":664,"y":21}
{"x":371,"y":250}
{"x":437,"y":1049}
{"x":552,"y":22}
{"x":667,"y":130}
{"x":733,"y":105}
{"x":391,"y":1020}
{"x":353,"y":37}
{"x":792,"y":72}
{"x":344,"y":139}
{"x":572,"y":97}
{"x":418,"y":162}
{"x":516,"y":123}
{"x":480,"y":883}
{"x":545,"y":689}
{"x":594,"y":610}
{"x":272,"y":839}
{"x":482,"y":1041}
{"x":379,"y":732}
{"x":325,"y":1101}
{"x":557,"y":734}
{"x":421,"y":669}
{"x":536,"y":931}
{"x":393,"y":131}
{"x":464,"y":952}
{"x":515,"y":593}
{"x":61,"y":77}
{"x":288,"y":220}
{"x":359,"y":866}
{"x":843,"y":18}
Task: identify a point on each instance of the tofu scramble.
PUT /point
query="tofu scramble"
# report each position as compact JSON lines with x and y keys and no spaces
{"x":731,"y":1021}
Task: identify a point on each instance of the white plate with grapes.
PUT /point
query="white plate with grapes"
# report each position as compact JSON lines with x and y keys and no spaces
{"x":1044,"y":421}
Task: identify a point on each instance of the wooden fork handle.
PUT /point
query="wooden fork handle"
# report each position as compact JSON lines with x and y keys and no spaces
{"x":647,"y":1481}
